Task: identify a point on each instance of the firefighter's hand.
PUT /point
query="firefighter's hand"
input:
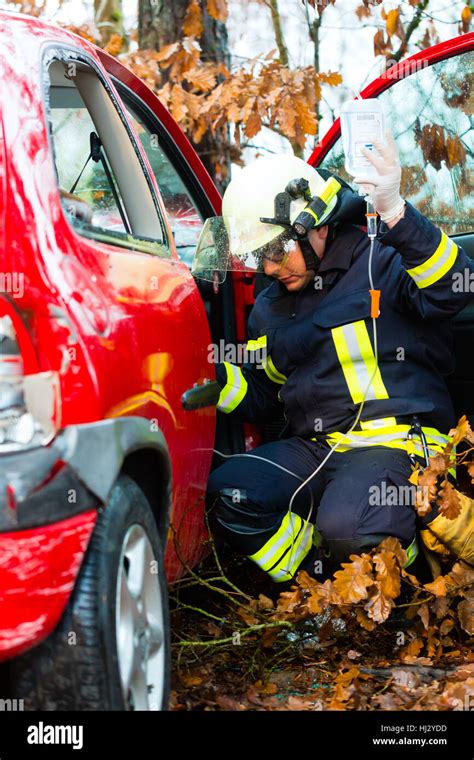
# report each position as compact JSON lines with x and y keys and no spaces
{"x":384,"y":188}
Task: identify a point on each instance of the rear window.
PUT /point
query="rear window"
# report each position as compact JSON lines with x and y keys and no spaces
{"x":430,"y":114}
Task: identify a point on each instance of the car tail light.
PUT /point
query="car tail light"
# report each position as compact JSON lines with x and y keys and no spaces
{"x":29,"y":404}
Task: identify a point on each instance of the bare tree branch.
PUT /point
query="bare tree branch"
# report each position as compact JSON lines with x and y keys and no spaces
{"x":412,"y":26}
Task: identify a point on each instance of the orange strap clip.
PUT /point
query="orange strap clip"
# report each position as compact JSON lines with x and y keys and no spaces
{"x":374,"y":303}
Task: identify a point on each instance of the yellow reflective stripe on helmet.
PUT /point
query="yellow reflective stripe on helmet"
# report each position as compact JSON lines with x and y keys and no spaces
{"x":234,"y":390}
{"x":357,"y":359}
{"x":285,"y":550}
{"x":434,"y":268}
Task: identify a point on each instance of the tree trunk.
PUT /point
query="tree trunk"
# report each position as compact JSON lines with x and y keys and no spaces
{"x":108,"y":17}
{"x":160,"y":23}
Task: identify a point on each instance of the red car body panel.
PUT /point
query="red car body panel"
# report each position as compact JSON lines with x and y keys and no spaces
{"x":128,"y":348}
{"x":38,"y":569}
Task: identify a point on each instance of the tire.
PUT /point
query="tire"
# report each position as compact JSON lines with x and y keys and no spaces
{"x":115,"y":629}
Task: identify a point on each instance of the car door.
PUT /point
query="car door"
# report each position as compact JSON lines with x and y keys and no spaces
{"x":189,"y":196}
{"x":150,"y":338}
{"x":428,"y":102}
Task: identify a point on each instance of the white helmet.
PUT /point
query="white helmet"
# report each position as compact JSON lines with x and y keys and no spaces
{"x":251,"y":195}
{"x":239,"y":241}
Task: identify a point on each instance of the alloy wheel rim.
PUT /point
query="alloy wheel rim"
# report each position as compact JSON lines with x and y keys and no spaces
{"x":139,"y":623}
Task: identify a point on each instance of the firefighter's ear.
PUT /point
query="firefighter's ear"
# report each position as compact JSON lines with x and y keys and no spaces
{"x":317,"y":240}
{"x":320,"y":233}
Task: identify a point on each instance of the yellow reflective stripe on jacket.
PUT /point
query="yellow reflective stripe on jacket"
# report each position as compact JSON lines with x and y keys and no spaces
{"x":434,"y":268}
{"x":272,"y":371}
{"x":281,"y":555}
{"x":258,"y":343}
{"x":357,"y":359}
{"x":267,"y":362}
{"x":393,"y":436}
{"x":382,"y":422}
{"x":234,"y":390}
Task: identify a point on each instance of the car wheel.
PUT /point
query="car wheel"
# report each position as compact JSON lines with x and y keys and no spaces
{"x":111,"y":649}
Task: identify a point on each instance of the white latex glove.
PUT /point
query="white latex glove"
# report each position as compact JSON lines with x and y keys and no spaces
{"x":384,"y":188}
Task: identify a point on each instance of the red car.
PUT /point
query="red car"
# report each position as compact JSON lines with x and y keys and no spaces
{"x":103,"y":328}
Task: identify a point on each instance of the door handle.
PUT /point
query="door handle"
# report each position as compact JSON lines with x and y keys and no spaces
{"x":200,"y":396}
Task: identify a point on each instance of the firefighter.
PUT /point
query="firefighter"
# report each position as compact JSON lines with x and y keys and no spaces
{"x":352,"y":345}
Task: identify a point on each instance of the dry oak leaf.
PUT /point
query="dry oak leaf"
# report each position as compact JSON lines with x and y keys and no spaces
{"x":289,"y":600}
{"x":461,"y":574}
{"x":437,"y":587}
{"x":364,"y":621}
{"x":247,"y":616}
{"x":114,"y":45}
{"x":455,"y":152}
{"x":448,"y":501}
{"x":431,"y":140}
{"x":264,"y":603}
{"x":392,"y":22}
{"x":382,"y":46}
{"x":192,"y":23}
{"x":379,"y":606}
{"x":470,"y":469}
{"x":202,"y":78}
{"x":412,"y":649}
{"x":387,"y":573}
{"x":458,"y":696}
{"x":300,"y":703}
{"x":227,"y":703}
{"x":353,"y":581}
{"x":465,"y":610}
{"x":362,"y":11}
{"x":461,"y":431}
{"x":253,"y":124}
{"x":218,"y":9}
{"x":426,"y":492}
{"x":266,"y":688}
{"x":392,"y":544}
{"x":466,"y":17}
{"x":424,"y":612}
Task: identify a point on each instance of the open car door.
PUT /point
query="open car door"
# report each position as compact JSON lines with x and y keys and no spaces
{"x":428,"y":102}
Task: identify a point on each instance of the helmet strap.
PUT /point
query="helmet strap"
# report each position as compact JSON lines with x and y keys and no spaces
{"x":311,"y":260}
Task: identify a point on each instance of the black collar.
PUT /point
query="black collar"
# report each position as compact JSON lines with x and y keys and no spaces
{"x":341,"y":250}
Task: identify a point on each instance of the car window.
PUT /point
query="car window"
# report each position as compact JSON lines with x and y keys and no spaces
{"x":429,"y":113}
{"x":184,"y":218}
{"x":81,"y":175}
{"x":102,"y":185}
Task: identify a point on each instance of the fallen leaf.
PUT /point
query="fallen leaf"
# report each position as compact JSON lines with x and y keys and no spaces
{"x":353,"y":581}
{"x":379,"y":606}
{"x":264,"y":603}
{"x":465,"y":610}
{"x":353,"y":655}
